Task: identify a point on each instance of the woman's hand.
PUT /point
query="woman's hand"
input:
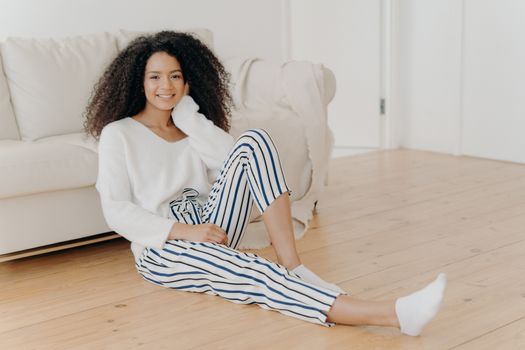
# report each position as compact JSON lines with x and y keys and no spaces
{"x":207,"y":233}
{"x":199,"y":233}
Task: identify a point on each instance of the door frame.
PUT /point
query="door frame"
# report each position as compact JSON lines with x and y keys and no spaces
{"x":389,"y":122}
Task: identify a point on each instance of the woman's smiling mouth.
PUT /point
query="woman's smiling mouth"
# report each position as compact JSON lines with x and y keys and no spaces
{"x":165,"y":96}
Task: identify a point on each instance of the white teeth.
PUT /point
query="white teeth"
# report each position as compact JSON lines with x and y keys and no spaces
{"x":165,"y":96}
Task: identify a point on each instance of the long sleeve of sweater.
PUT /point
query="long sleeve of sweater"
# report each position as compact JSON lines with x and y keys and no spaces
{"x":211,"y":142}
{"x":128,"y":219}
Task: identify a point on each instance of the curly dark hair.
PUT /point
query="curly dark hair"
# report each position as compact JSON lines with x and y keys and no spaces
{"x":119,"y":92}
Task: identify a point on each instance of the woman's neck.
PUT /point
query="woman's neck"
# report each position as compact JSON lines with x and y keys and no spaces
{"x":155,"y":118}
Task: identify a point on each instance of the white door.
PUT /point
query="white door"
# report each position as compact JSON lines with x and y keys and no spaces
{"x":345,"y":36}
{"x":463,"y":73}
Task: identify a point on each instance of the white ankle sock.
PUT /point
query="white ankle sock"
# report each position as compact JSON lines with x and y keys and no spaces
{"x":414,"y":311}
{"x":307,"y":275}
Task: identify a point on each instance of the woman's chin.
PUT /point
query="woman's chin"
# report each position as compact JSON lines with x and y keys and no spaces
{"x":165,"y":106}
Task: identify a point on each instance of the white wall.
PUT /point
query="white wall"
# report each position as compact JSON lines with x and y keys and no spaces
{"x":461,"y":77}
{"x":241,"y":28}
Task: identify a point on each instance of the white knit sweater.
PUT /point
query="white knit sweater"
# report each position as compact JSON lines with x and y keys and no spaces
{"x":139,"y":172}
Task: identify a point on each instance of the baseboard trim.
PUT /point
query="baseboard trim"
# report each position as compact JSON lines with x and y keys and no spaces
{"x":59,"y":246}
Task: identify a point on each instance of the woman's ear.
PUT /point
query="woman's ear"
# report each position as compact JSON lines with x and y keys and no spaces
{"x":186,"y":88}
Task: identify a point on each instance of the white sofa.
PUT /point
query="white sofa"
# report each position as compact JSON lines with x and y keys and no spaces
{"x":48,"y":166}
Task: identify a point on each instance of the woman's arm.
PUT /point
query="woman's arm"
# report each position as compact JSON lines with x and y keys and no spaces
{"x":131,"y":221}
{"x":211,"y":142}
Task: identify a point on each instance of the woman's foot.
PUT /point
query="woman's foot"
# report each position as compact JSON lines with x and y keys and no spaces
{"x":414,"y":311}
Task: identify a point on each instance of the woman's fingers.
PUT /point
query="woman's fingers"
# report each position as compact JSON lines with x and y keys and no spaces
{"x":223,"y":236}
{"x":220,"y":239}
{"x":216,"y":234}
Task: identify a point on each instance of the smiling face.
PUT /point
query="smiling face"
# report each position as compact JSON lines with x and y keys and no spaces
{"x":163,"y":82}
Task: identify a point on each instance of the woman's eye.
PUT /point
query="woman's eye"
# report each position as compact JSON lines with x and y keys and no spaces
{"x":154,"y":77}
{"x":177,"y":76}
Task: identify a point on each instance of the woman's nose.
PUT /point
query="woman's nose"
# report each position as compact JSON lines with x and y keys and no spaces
{"x":166,"y":82}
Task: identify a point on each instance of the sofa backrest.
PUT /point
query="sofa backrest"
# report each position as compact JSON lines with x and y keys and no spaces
{"x":125,"y":36}
{"x":49,"y":81}
{"x":8,"y":127}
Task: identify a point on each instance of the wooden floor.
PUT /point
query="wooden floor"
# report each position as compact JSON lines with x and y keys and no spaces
{"x":388,"y":223}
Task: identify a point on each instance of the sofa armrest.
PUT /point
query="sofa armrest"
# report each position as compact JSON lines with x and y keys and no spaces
{"x":330,"y":85}
{"x":257,"y":83}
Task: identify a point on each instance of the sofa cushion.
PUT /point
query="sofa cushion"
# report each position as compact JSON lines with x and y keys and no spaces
{"x":124,"y":36}
{"x":75,"y":139}
{"x":51,"y":80}
{"x":8,"y":127}
{"x":286,"y":131}
{"x":34,"y":167}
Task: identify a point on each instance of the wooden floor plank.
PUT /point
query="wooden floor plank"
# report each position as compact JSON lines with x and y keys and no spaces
{"x":387,"y":223}
{"x":509,"y":336}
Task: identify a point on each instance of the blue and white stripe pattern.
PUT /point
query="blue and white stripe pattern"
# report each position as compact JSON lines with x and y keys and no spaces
{"x":252,"y":173}
{"x":186,"y":208}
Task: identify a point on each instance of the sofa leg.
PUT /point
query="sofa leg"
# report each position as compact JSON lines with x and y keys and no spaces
{"x":59,"y":246}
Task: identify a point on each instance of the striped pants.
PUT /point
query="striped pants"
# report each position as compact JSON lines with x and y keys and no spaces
{"x":251,"y":173}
